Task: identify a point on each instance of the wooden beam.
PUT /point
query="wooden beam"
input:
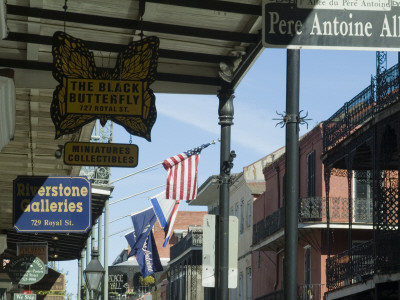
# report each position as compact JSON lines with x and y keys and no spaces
{"x":132,"y":24}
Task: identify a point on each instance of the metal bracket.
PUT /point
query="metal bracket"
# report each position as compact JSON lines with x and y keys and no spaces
{"x":228,"y":165}
{"x":292,"y":118}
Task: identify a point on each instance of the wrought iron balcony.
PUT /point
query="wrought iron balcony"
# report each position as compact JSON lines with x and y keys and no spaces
{"x":351,"y":266}
{"x":313,"y":210}
{"x":304,"y":292}
{"x":361,"y":108}
{"x":360,"y":263}
{"x":193,"y":238}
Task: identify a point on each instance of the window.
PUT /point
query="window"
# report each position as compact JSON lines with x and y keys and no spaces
{"x":311,"y":174}
{"x":248,"y":284}
{"x":283,"y":272}
{"x":259,"y":260}
{"x":249,"y":217}
{"x":307,"y":271}
{"x":284,"y":189}
{"x":241,"y":286}
{"x":241,"y":216}
{"x":237,"y":210}
{"x":362,"y":194}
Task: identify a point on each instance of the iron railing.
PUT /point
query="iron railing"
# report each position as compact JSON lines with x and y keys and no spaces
{"x":311,"y":291}
{"x":360,"y":109}
{"x":313,"y":210}
{"x":277,"y":295}
{"x":304,"y":292}
{"x":193,"y":238}
{"x":351,"y":266}
{"x":269,"y":225}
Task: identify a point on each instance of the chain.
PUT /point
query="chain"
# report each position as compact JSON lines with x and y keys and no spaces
{"x":65,"y":7}
{"x":130,"y":139}
{"x":30,"y":130}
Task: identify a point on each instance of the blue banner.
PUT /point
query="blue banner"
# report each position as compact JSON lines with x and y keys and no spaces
{"x":52,"y":204}
{"x":143,"y":222}
{"x":148,"y":258}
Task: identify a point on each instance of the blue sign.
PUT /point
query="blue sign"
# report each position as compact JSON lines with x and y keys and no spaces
{"x":52,"y":204}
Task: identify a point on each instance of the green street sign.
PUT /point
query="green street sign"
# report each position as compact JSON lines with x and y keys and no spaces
{"x":26,"y":270}
{"x":24,"y":297}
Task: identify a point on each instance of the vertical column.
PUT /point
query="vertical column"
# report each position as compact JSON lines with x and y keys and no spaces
{"x":327,"y":178}
{"x":82,"y":287}
{"x":225,"y":112}
{"x":292,"y":172}
{"x":100,"y":236}
{"x":79,"y":277}
{"x":106,"y":220}
{"x":87,"y":262}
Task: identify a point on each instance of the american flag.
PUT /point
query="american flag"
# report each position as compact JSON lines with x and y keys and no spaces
{"x":182,"y":174}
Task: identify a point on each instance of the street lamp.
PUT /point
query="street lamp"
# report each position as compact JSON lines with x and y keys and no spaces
{"x":94,"y":274}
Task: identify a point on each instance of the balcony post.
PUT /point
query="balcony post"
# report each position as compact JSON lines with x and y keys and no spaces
{"x":225,"y":112}
{"x":292,"y":120}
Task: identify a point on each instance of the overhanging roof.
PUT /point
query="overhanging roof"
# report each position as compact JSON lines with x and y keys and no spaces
{"x":195,"y":37}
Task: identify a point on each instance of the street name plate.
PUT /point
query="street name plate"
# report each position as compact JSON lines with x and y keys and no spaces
{"x":332,"y":24}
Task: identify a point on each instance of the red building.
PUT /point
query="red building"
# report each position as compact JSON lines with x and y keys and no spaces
{"x":269,"y":222}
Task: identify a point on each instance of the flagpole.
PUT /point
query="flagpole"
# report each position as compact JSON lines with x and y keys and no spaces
{"x":134,"y":173}
{"x":152,"y":166}
{"x":134,"y":195}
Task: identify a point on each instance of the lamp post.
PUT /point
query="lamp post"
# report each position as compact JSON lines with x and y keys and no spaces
{"x":94,"y":274}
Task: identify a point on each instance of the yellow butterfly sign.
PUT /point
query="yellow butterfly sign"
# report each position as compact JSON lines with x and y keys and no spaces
{"x":86,"y":93}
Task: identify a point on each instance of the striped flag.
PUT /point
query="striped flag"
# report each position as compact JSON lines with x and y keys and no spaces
{"x":166,"y":211}
{"x":182,"y":174}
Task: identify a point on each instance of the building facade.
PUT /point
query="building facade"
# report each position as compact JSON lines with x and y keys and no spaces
{"x":268,"y":256}
{"x":361,"y":142}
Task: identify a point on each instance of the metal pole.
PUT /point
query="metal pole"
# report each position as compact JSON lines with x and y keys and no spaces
{"x":87,"y":262}
{"x":106,"y":218}
{"x":225,"y":112}
{"x":292,"y":172}
{"x":79,"y":277}
{"x":100,"y":235}
{"x":82,"y":287}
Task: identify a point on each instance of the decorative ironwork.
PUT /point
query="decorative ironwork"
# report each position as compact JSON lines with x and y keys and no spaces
{"x":339,"y":172}
{"x":304,"y":292}
{"x":310,"y":291}
{"x":100,"y":134}
{"x":313,"y":209}
{"x":193,"y":238}
{"x":277,"y":295}
{"x":361,"y":108}
{"x":269,"y":225}
{"x":380,"y":152}
{"x":351,"y":266}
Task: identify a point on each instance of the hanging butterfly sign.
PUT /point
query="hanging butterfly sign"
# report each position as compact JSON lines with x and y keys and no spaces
{"x":86,"y":93}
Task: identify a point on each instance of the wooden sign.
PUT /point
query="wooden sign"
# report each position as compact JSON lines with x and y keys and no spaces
{"x":38,"y":249}
{"x":86,"y":92}
{"x":101,"y":154}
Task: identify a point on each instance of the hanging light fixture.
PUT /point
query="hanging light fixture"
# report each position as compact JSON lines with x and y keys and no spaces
{"x":94,"y":274}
